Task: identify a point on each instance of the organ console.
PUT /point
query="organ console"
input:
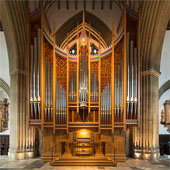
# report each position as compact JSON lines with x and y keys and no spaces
{"x":77,"y":90}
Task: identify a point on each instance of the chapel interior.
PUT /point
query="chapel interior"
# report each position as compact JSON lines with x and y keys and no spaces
{"x":84,"y":82}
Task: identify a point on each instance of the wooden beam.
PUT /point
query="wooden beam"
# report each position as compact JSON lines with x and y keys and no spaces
{"x":42,"y":65}
{"x":112,"y":80}
{"x":99,"y":77}
{"x":124,"y":68}
{"x":77,"y":71}
{"x":67,"y":83}
{"x":89,"y":76}
{"x":54,"y":83}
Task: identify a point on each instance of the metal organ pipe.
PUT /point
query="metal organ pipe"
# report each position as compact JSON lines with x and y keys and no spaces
{"x":131,"y":110}
{"x":57,"y":103}
{"x":128,"y":76}
{"x":35,"y":77}
{"x":106,"y":104}
{"x":61,"y":104}
{"x":39,"y":72}
{"x":120,"y":93}
{"x":35,"y":51}
{"x":115,"y":109}
{"x":46,"y":90}
{"x":135,"y":83}
{"x":31,"y":84}
{"x":132,"y":77}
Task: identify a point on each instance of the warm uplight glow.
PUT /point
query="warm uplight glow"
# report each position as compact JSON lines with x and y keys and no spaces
{"x":146,"y":156}
{"x":83,"y":132}
{"x":39,"y":99}
{"x":137,"y":155}
{"x":31,"y":99}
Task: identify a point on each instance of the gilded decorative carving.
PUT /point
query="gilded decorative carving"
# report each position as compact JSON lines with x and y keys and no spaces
{"x":165,"y":115}
{"x":4,"y":115}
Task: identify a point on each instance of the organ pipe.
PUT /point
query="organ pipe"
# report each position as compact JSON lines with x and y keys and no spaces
{"x":83,"y":79}
{"x":106,"y":104}
{"x":35,"y":58}
{"x":72,"y":87}
{"x":132,"y":80}
{"x":35,"y":77}
{"x":31,"y":84}
{"x":61,"y":104}
{"x":94,"y":88}
{"x":39,"y":72}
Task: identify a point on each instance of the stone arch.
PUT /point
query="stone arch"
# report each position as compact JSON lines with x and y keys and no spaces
{"x":164,"y":88}
{"x":13,"y":16}
{"x":153,"y":23}
{"x":5,"y":87}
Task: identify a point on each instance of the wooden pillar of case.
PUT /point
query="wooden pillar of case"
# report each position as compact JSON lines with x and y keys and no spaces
{"x":89,"y":79}
{"x":42,"y":65}
{"x":99,"y":77}
{"x":77,"y":72}
{"x":112,"y":81}
{"x":67,"y":83}
{"x":54,"y":84}
{"x":124,"y":70}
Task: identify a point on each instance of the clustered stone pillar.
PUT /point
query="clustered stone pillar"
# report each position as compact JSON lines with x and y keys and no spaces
{"x":22,"y":138}
{"x":146,"y":137}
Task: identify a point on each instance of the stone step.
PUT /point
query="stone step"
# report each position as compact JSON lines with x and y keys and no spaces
{"x":72,"y":161}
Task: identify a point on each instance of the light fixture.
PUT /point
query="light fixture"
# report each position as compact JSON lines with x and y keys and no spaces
{"x":95,"y":51}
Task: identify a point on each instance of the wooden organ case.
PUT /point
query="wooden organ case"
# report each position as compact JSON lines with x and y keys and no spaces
{"x":83,"y":102}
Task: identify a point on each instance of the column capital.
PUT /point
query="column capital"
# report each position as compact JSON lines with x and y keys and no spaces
{"x":151,"y":72}
{"x":18,"y":71}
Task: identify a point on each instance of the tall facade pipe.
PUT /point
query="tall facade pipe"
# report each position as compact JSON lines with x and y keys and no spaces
{"x":46,"y":90}
{"x":51,"y":94}
{"x":35,"y":77}
{"x":105,"y":111}
{"x":102,"y":107}
{"x":115,"y":109}
{"x":57,"y":100}
{"x":131,"y":78}
{"x":75,"y":87}
{"x":48,"y":95}
{"x":128,"y":77}
{"x":31,"y":83}
{"x":135,"y":83}
{"x":39,"y":72}
{"x":110,"y":113}
{"x":120,"y":94}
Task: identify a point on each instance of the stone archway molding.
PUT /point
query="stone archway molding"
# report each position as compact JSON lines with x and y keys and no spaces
{"x":164,"y":88}
{"x":5,"y":86}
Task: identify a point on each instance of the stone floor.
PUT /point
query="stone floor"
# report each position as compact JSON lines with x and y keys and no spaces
{"x":130,"y":164}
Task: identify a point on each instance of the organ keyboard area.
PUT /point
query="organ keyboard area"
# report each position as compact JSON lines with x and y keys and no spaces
{"x":98,"y":90}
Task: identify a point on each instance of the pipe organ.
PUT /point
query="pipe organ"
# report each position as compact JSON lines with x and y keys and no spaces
{"x":70,"y":92}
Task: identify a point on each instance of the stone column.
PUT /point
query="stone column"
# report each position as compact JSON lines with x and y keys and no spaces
{"x":18,"y":117}
{"x":147,"y":146}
